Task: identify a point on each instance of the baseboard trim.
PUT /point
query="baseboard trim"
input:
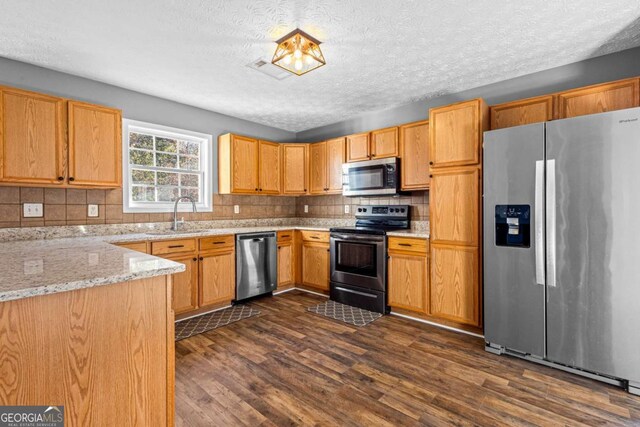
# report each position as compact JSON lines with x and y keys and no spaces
{"x":300,"y":289}
{"x":449,"y":328}
{"x":284,"y":291}
{"x":203,"y":313}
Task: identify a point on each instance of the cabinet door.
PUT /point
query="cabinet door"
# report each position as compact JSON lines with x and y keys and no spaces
{"x":599,"y":98}
{"x":408,"y":281}
{"x":522,"y":112}
{"x":358,"y":147}
{"x":318,"y":167}
{"x":454,"y":206}
{"x":315,"y":265}
{"x":455,"y":285}
{"x":295,"y":168}
{"x":31,"y":136}
{"x":335,"y":159}
{"x":95,"y":145}
{"x":285,"y":263}
{"x":269,"y":167}
{"x":384,"y":143}
{"x":414,"y":153}
{"x":217,"y":277}
{"x":456,"y":133}
{"x":244,"y":164}
{"x":185,"y":285}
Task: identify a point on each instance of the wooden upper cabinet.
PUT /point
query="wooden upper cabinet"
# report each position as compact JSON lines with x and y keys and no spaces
{"x":599,"y":98}
{"x":456,"y":133}
{"x":335,"y":159}
{"x":237,"y":164}
{"x":269,"y":169}
{"x":414,"y":154}
{"x":384,"y":143}
{"x":454,"y":288}
{"x":358,"y":147}
{"x":95,"y":145}
{"x":522,"y":112}
{"x":318,"y":168}
{"x":455,"y":206}
{"x":295,"y":169}
{"x":32,"y":138}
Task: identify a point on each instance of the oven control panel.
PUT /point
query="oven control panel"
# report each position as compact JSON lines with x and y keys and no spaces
{"x":395,"y":211}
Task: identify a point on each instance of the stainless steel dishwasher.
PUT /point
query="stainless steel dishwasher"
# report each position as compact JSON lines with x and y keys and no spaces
{"x":256,"y":266}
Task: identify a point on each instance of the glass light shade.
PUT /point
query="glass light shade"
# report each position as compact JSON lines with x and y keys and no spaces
{"x":302,"y":48}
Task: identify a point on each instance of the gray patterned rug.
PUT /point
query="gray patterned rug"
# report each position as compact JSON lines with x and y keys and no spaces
{"x":345,"y":313}
{"x":206,"y":322}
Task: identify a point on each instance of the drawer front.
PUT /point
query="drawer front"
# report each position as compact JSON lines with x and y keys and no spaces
{"x":134,"y":246}
{"x":285,"y":236}
{"x":409,"y":244}
{"x":315,"y":236}
{"x":216,"y":242}
{"x":173,"y":246}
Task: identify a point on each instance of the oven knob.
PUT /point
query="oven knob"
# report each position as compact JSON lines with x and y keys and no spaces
{"x":402,"y":210}
{"x":359,"y":209}
{"x":397,"y":210}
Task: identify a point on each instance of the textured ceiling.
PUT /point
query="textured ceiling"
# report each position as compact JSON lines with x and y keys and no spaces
{"x":379,"y":53}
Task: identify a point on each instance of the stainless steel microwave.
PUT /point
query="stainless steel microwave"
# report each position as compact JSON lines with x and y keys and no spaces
{"x":371,"y":177}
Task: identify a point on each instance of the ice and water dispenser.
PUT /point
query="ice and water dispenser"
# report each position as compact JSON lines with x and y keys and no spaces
{"x":513,"y":225}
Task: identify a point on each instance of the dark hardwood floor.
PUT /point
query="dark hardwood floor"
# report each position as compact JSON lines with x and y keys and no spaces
{"x":290,"y":367}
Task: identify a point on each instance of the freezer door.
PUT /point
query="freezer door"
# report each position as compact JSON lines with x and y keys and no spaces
{"x":593,"y":281}
{"x":513,"y":180}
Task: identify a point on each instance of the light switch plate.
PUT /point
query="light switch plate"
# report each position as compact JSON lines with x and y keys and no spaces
{"x":32,"y":210}
{"x":236,"y":209}
{"x":306,"y":208}
{"x":347,"y":208}
{"x":92,"y":211}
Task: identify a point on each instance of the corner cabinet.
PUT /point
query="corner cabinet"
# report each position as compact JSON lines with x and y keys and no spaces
{"x":95,"y":147}
{"x":50,"y":141}
{"x":325,"y":160}
{"x":295,"y":169}
{"x":286,"y":272}
{"x":248,"y":166}
{"x":414,"y":155}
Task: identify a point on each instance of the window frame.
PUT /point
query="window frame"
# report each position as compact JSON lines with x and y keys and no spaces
{"x":206,"y":167}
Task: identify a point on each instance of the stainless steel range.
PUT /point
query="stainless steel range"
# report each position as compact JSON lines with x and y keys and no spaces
{"x":359,"y":256}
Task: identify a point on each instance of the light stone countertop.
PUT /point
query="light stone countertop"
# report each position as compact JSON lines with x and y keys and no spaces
{"x":76,"y":260}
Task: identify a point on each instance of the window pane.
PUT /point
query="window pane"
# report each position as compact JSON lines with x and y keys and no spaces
{"x":143,"y":158}
{"x":142,"y":194}
{"x":186,"y":147}
{"x":190,"y":163}
{"x":138,"y":140}
{"x":167,"y":194}
{"x":189,"y":180}
{"x":166,"y":144}
{"x":142,"y":177}
{"x":167,"y":178}
{"x":194,"y":193}
{"x":166,"y":160}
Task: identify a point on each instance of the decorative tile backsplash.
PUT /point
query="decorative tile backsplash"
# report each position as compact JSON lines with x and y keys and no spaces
{"x":69,"y":207}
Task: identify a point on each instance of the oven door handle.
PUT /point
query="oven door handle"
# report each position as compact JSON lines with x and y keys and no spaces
{"x":350,"y":237}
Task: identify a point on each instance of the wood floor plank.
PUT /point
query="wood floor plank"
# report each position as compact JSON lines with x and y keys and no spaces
{"x":287,"y":366}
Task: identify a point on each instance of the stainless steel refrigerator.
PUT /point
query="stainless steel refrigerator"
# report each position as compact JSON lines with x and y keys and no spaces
{"x":562,"y":244}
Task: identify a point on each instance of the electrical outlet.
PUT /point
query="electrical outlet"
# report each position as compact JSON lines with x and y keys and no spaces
{"x":32,"y":210}
{"x":236,"y":209}
{"x":347,"y":208}
{"x":306,"y":208}
{"x":92,"y":211}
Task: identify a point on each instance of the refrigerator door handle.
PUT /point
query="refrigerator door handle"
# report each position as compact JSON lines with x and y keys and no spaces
{"x":551,"y":222}
{"x":539,"y":223}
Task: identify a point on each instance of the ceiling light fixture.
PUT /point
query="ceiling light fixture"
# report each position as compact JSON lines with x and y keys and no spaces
{"x":298,"y":52}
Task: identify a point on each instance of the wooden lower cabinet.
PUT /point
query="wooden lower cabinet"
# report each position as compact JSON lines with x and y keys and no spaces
{"x":285,"y":264}
{"x":408,"y":281}
{"x":455,"y":283}
{"x":315,"y":265}
{"x":217,"y":277}
{"x":185,"y":284}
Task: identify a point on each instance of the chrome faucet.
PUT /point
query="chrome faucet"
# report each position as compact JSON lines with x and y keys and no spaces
{"x":176,"y":223}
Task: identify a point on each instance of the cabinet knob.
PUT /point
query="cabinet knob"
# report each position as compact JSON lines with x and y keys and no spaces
{"x":430,"y":163}
{"x":201,"y":258}
{"x":71,"y":178}
{"x":430,"y":176}
{"x":305,"y":189}
{"x":195,"y":259}
{"x":61,"y":178}
{"x":373,"y":155}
